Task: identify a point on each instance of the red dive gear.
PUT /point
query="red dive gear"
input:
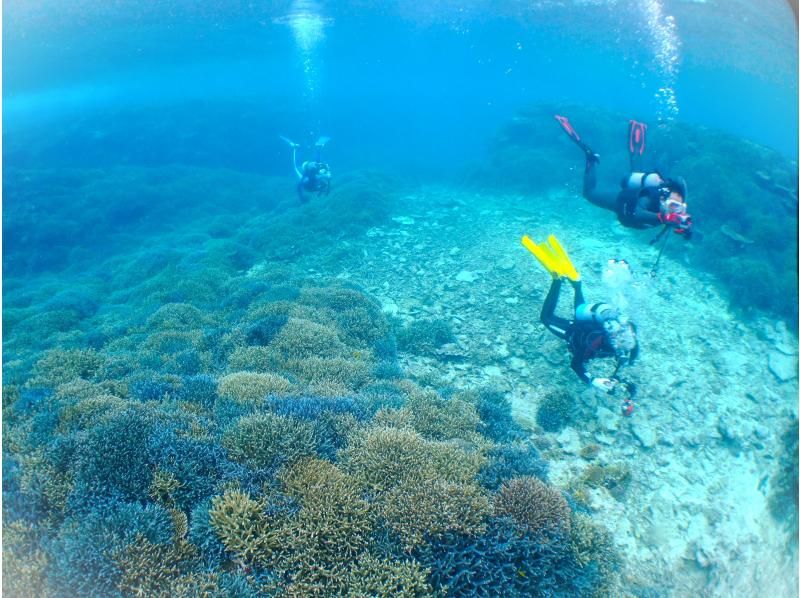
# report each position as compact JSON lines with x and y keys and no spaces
{"x":627,"y":408}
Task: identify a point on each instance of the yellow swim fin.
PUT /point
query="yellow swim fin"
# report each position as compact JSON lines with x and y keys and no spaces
{"x":543,"y":254}
{"x":566,"y":268}
{"x":553,"y":257}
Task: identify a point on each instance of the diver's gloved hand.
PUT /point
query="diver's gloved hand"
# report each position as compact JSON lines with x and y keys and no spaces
{"x":676,"y":219}
{"x":603,"y":384}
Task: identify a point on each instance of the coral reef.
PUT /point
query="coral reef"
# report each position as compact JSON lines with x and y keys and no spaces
{"x":268,"y":440}
{"x":783,"y":499}
{"x":332,"y":527}
{"x":592,"y":546}
{"x":614,"y":477}
{"x":505,"y":560}
{"x":371,"y":576}
{"x":251,"y":387}
{"x":494,"y":410}
{"x":556,"y":411}
{"x":383,"y":458}
{"x":24,"y":562}
{"x":424,"y":336}
{"x":436,"y":418}
{"x":422,"y":511}
{"x":507,"y":461}
{"x":244,"y":527}
{"x":534,"y":505}
{"x":260,"y":443}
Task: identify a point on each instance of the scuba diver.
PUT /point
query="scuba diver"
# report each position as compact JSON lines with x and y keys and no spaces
{"x":647,"y":199}
{"x":597,"y":330}
{"x":314,"y":176}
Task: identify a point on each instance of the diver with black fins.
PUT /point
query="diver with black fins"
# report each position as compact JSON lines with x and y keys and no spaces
{"x":597,"y":330}
{"x":647,"y":199}
{"x":313,"y":176}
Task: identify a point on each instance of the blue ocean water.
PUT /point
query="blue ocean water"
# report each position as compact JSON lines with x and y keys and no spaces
{"x":192,"y":348}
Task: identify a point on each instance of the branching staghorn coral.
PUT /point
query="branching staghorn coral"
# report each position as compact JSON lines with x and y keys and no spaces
{"x":217,"y":585}
{"x":438,"y":419}
{"x":331,"y":529}
{"x":59,"y":366}
{"x":382,"y":458}
{"x":250,"y":387}
{"x":506,"y":560}
{"x":494,"y":409}
{"x":244,"y":527}
{"x":424,"y":336}
{"x":592,"y":545}
{"x":164,"y":487}
{"x":265,"y":440}
{"x":506,"y":461}
{"x":616,"y":478}
{"x":86,"y":412}
{"x":253,"y":359}
{"x":262,"y":331}
{"x":24,"y":562}
{"x":47,"y":486}
{"x":421,"y":511}
{"x":302,"y":339}
{"x":340,"y":374}
{"x":199,"y":390}
{"x":178,"y":316}
{"x":533,"y":504}
{"x":148,"y":569}
{"x":556,"y":411}
{"x":371,"y":576}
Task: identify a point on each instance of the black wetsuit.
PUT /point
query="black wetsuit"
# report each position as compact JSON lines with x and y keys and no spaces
{"x":586,"y":340}
{"x":312,"y":182}
{"x":635,"y":208}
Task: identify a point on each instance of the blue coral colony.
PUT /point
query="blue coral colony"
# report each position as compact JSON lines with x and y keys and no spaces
{"x":205,"y":411}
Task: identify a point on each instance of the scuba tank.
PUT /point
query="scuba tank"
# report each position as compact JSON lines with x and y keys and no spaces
{"x":592,"y":312}
{"x":637,"y":181}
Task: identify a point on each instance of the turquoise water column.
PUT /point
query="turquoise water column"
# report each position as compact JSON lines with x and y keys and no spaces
{"x":308,"y":23}
{"x":663,"y":33}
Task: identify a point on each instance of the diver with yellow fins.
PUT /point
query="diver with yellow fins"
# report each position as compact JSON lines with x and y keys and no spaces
{"x":597,"y":330}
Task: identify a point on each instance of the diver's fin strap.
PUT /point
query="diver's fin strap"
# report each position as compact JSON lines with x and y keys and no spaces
{"x":552,"y":256}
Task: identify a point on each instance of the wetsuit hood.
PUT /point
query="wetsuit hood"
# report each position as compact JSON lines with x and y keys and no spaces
{"x":678,"y":185}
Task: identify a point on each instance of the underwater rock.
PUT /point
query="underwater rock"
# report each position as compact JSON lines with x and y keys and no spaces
{"x":644,"y":433}
{"x":492,"y":371}
{"x":702,"y":554}
{"x":604,"y":439}
{"x":783,"y":367}
{"x":506,"y":264}
{"x":787,"y":195}
{"x":466,"y":276}
{"x":389,"y":307}
{"x":609,"y":421}
{"x":570,"y":441}
{"x":731,"y":435}
{"x":735,"y":236}
{"x":451,"y":352}
{"x":729,"y":363}
{"x":501,"y":351}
